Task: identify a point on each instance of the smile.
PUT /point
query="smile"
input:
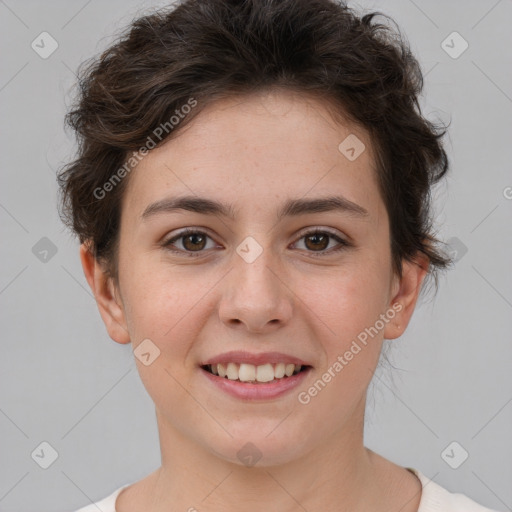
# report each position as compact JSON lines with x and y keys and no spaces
{"x":251,"y":373}
{"x":272,"y":385}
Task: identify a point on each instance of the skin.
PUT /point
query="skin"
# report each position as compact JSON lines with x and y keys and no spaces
{"x":256,"y":152}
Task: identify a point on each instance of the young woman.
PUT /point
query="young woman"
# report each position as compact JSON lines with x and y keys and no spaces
{"x":251,"y":195}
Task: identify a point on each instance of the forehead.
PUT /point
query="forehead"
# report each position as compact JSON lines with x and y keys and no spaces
{"x":253,"y":151}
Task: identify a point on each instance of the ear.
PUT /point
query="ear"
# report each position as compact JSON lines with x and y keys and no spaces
{"x":405,"y":295}
{"x":105,"y":292}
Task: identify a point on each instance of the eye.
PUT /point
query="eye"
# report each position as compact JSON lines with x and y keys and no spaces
{"x":318,"y":240}
{"x":192,"y":241}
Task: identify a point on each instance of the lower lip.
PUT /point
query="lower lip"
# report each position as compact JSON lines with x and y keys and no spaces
{"x":261,"y":391}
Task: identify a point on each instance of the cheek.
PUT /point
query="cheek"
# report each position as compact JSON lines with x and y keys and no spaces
{"x":350,"y":299}
{"x":350,"y":305}
{"x":349,"y":309}
{"x":163,"y":307}
{"x":159,"y":303}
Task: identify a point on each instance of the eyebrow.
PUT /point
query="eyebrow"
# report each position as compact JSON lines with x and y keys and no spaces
{"x":292,"y":207}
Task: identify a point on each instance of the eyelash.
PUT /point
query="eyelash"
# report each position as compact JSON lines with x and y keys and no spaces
{"x":194,"y":254}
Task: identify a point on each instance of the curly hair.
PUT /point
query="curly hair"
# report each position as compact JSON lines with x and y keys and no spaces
{"x":214,"y":49}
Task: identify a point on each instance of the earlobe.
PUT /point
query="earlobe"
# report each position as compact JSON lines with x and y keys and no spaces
{"x":404,"y":300}
{"x":109,"y":304}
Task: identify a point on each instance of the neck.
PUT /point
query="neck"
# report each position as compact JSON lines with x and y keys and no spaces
{"x":336,"y":475}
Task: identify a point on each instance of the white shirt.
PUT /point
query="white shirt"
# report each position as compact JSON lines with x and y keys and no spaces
{"x":434,"y":498}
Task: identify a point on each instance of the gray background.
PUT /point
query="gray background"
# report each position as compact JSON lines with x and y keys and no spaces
{"x":64,"y":381}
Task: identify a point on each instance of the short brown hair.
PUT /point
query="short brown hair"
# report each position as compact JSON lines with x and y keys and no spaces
{"x":213,"y":49}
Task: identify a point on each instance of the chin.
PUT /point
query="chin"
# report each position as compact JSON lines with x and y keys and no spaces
{"x":253,"y":447}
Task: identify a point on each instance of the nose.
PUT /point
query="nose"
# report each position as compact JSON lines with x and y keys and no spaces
{"x":256,"y":295}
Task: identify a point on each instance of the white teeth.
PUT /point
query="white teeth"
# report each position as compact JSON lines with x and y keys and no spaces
{"x":247,"y":372}
{"x":232,"y":371}
{"x":251,"y":373}
{"x":265,"y":373}
{"x":221,"y":369}
{"x":279,"y":370}
{"x":288,"y":370}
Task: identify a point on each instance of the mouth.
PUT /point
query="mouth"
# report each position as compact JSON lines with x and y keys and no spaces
{"x":255,"y":374}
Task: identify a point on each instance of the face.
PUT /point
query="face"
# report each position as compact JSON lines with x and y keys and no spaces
{"x":257,"y":279}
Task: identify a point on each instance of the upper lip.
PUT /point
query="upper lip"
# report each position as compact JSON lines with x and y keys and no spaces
{"x":240,"y":357}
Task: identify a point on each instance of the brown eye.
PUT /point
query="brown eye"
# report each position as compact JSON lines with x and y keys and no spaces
{"x":193,"y":243}
{"x":318,"y":241}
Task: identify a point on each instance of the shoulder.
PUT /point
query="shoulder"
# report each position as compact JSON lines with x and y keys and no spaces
{"x":107,"y":504}
{"x":438,"y":499}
